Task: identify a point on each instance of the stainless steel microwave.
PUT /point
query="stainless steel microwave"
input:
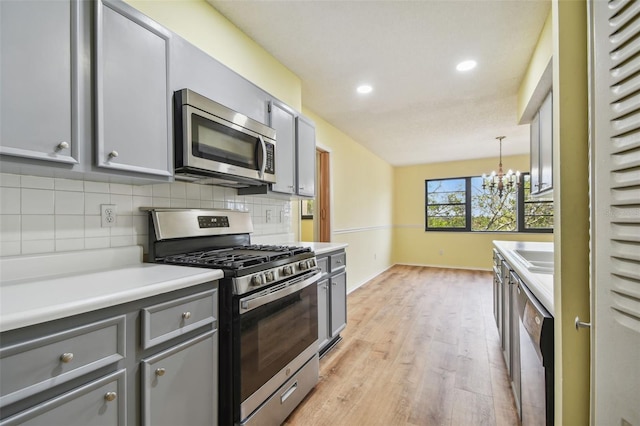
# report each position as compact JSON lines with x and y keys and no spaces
{"x":214,"y":144}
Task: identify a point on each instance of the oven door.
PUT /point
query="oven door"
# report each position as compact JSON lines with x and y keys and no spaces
{"x":212,"y":143}
{"x":278,"y":335}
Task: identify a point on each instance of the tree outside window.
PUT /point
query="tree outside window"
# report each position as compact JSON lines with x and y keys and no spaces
{"x":461,"y":204}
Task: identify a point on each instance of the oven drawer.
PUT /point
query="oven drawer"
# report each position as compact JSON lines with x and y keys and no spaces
{"x":168,"y":320}
{"x":338,"y":261}
{"x":36,"y":365}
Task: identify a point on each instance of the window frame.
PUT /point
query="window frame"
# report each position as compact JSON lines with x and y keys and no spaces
{"x":520,"y":210}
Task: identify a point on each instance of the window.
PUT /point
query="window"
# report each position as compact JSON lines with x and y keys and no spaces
{"x":461,"y":204}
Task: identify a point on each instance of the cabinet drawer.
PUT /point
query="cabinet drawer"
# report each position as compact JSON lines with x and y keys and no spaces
{"x":338,"y":261}
{"x":171,"y":319}
{"x":101,"y":402}
{"x":323,"y":264}
{"x":30,"y":367}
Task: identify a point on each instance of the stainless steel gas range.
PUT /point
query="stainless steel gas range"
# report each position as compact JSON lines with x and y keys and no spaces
{"x":268,"y":309}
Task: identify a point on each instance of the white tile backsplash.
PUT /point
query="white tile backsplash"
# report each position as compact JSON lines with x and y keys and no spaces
{"x":41,"y":215}
{"x":36,"y":201}
{"x":36,"y":182}
{"x":68,"y":202}
{"x":9,"y":200}
{"x":38,"y":227}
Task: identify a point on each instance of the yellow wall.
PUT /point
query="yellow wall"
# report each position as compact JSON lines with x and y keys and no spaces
{"x":571,"y":202}
{"x":532,"y":88}
{"x":204,"y":27}
{"x":306,"y":230}
{"x":412,"y":245}
{"x":361,"y":202}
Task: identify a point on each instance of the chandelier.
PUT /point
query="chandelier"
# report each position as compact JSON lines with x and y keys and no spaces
{"x":498,"y":182}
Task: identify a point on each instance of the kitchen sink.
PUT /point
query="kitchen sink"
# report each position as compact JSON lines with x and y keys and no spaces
{"x":536,"y":261}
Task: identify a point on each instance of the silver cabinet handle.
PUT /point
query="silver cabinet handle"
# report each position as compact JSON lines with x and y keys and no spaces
{"x":580,"y":324}
{"x":62,"y":145}
{"x":186,"y":315}
{"x":110,"y":396}
{"x":160,"y":371}
{"x":66,"y":357}
{"x":113,"y":154}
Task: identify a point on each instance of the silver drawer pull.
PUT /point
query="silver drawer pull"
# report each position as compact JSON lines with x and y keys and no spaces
{"x":66,"y":357}
{"x":113,"y":154}
{"x":110,"y":396}
{"x":160,"y":372}
{"x":186,"y":315}
{"x":62,"y":145}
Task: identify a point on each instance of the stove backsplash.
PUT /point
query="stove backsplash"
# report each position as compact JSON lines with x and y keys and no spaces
{"x":42,"y":215}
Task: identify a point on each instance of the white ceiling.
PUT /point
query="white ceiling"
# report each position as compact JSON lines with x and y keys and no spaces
{"x":421,"y":109}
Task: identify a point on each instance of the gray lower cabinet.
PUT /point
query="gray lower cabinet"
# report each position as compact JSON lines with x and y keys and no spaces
{"x":151,"y":361}
{"x":38,"y":79}
{"x":188,"y":369}
{"x":332,"y":299}
{"x":101,"y":403}
{"x":133,"y":98}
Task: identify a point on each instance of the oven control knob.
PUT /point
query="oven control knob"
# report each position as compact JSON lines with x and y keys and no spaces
{"x":269,"y":276}
{"x":312,"y":263}
{"x":287,"y":270}
{"x":304,"y":265}
{"x":257,"y":280}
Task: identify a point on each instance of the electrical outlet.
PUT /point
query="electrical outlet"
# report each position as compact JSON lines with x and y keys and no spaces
{"x":108,"y":215}
{"x":441,"y":252}
{"x":268,"y":216}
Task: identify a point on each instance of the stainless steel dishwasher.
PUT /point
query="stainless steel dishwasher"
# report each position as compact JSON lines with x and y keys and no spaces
{"x":532,"y":357}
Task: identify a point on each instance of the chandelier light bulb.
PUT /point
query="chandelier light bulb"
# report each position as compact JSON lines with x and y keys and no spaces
{"x":497,"y":182}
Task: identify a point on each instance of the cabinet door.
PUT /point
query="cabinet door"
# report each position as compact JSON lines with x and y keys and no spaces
{"x":179,"y":386}
{"x":535,"y":154}
{"x":306,"y":157}
{"x":99,"y":403}
{"x":546,"y":144}
{"x":338,"y":303}
{"x":133,"y":100}
{"x":282,"y":119}
{"x":38,"y":79}
{"x":323,"y":313}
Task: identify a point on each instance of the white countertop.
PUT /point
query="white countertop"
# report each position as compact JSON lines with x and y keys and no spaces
{"x":541,"y":285}
{"x":40,"y":288}
{"x":321,"y":248}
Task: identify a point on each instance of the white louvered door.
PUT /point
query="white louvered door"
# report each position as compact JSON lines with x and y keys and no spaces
{"x":615,"y":212}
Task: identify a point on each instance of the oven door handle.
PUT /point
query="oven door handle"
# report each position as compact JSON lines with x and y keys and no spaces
{"x":255,"y":301}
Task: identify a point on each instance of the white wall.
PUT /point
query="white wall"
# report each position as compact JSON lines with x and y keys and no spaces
{"x":41,"y":215}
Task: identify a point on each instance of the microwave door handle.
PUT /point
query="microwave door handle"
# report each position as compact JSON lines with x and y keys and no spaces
{"x":264,"y":157}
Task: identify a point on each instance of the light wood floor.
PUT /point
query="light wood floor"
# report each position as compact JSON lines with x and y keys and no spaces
{"x":420,"y":348}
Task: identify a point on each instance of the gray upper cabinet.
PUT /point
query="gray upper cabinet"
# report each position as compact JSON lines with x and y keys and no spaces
{"x":282,"y":119}
{"x":546,"y":144}
{"x":542,"y":148}
{"x":133,"y":98}
{"x":39,"y":79}
{"x":306,"y":157}
{"x":194,"y":69}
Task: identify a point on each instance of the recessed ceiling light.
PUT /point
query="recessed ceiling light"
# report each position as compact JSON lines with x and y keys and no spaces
{"x":466,"y":65}
{"x":365,"y":88}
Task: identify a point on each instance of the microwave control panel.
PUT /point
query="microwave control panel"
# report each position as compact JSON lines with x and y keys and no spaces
{"x":270,"y":167}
